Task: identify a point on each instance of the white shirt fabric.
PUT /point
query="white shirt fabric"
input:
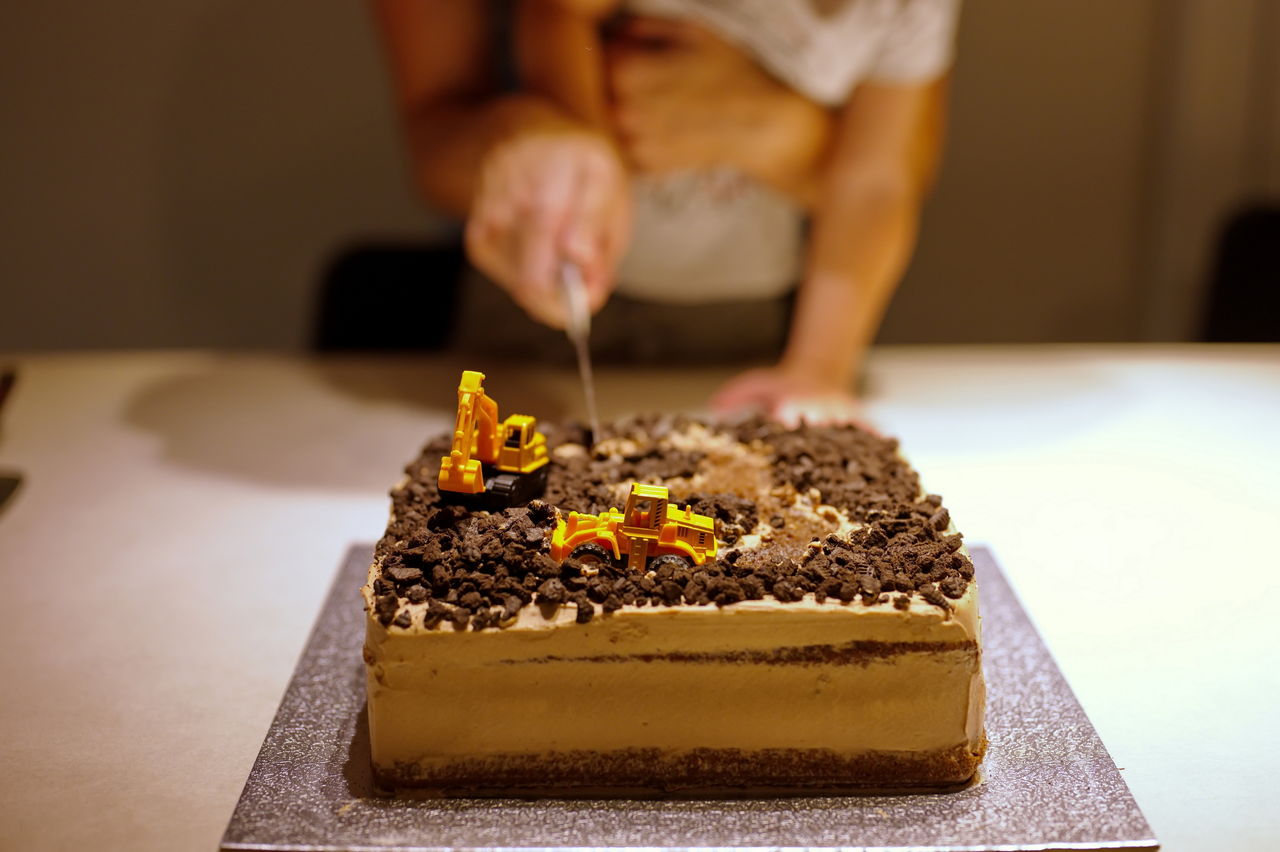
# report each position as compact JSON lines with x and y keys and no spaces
{"x":719,"y":235}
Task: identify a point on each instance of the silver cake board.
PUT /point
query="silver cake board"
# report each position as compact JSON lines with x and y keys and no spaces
{"x":1047,"y":782}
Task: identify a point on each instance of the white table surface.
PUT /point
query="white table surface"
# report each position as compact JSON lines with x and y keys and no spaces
{"x":183,"y":513}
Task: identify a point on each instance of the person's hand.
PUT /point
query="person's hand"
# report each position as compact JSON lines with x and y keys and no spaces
{"x":787,"y":397}
{"x":684,"y":98}
{"x":547,"y":196}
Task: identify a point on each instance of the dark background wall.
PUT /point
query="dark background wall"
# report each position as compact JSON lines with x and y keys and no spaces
{"x":180,"y":172}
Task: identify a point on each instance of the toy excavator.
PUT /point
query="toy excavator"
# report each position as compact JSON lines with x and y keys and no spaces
{"x":492,"y":464}
{"x":650,"y":533}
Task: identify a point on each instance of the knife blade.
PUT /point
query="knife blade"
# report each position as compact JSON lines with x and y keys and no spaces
{"x":577,"y":310}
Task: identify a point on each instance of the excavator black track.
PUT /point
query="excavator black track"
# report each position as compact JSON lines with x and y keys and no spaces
{"x":492,"y":464}
{"x":502,"y":490}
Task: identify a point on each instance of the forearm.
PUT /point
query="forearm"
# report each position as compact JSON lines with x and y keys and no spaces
{"x":448,"y":141}
{"x":862,"y":237}
{"x":559,"y":54}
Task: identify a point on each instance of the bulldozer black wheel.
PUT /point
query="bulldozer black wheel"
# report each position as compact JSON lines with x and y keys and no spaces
{"x":675,"y":561}
{"x":592,"y":553}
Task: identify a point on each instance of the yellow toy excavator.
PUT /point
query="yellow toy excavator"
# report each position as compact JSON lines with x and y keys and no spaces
{"x":649,"y":533}
{"x":492,"y":463}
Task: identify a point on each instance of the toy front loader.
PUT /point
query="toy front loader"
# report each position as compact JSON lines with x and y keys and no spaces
{"x":647,"y":534}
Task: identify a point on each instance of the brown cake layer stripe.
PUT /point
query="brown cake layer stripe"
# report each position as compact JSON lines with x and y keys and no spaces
{"x":658,"y":772}
{"x":852,"y":653}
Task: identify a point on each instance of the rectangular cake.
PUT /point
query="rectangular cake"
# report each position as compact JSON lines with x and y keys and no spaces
{"x":827,"y":642}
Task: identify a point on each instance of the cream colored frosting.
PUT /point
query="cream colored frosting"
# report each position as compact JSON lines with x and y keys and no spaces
{"x":552,"y":684}
{"x":682,"y":677}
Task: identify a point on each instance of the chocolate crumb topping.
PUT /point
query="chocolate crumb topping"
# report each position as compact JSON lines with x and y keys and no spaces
{"x":832,"y":512}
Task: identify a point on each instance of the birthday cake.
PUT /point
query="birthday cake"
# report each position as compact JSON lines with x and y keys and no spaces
{"x":771,"y":610}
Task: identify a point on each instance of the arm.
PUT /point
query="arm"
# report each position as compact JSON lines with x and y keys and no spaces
{"x":535,"y":182}
{"x":441,"y":66}
{"x":886,"y":151}
{"x":560,"y":54}
{"x":685,"y":98}
{"x":883,"y":158}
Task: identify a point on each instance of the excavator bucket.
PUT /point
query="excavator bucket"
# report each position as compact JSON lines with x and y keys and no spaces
{"x":460,"y":474}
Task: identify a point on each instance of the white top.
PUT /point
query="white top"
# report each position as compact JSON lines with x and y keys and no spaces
{"x":716,"y":235}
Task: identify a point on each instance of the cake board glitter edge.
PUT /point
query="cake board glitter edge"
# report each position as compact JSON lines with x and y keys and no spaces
{"x":1047,"y":782}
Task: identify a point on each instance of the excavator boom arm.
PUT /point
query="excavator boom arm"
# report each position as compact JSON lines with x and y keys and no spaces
{"x":475,"y":437}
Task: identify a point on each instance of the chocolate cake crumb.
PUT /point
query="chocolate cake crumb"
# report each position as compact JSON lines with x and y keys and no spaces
{"x":953,"y":587}
{"x":404,"y":619}
{"x":752,"y":587}
{"x":586,"y":610}
{"x":402,"y":574}
{"x":480,"y":568}
{"x":931,"y":594}
{"x":552,"y":592}
{"x":786,"y":591}
{"x":436,"y":613}
{"x":385,"y":606}
{"x":670,"y":592}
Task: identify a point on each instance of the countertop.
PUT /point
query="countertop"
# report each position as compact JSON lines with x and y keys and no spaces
{"x":182,"y":513}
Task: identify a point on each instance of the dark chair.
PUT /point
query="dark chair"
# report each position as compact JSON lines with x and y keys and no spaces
{"x":1244,"y":295}
{"x":389,"y":297}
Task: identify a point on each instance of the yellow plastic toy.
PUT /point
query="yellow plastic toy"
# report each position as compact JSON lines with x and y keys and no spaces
{"x":491,"y":462}
{"x":650,"y":532}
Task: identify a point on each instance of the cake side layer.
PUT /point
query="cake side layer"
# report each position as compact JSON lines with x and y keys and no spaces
{"x":742,"y":626}
{"x":912,"y":701}
{"x":656,"y":771}
{"x":767,"y":675}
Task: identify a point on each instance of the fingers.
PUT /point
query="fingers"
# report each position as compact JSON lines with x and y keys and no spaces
{"x":782,"y":398}
{"x":825,"y":410}
{"x":747,"y":392}
{"x":542,"y":217}
{"x":543,"y":201}
{"x":596,"y":233}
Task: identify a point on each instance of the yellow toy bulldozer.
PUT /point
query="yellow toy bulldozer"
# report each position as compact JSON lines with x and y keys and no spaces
{"x":651,"y":532}
{"x":492,"y":463}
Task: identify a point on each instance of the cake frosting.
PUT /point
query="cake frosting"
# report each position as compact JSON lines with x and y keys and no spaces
{"x":831,"y":644}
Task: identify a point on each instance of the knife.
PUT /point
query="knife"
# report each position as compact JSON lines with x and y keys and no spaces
{"x":578,"y":326}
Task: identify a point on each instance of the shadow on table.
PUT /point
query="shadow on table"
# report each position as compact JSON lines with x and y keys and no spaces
{"x":357,"y":769}
{"x":349,"y":423}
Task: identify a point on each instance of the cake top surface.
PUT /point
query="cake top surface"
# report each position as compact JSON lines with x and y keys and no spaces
{"x":812,"y":514}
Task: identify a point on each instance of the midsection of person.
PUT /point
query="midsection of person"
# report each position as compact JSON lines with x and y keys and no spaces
{"x":703,"y":133}
{"x":713,"y":233}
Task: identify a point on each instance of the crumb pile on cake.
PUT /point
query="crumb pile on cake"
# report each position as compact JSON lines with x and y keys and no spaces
{"x":831,"y":643}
